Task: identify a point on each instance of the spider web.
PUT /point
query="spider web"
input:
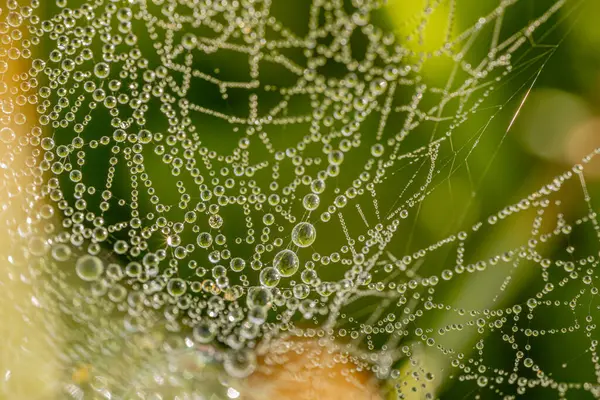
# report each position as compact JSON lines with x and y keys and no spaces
{"x":231,"y":175}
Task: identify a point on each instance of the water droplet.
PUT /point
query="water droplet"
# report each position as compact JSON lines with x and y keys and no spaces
{"x":304,"y":234}
{"x":269,"y":277}
{"x":176,"y":287}
{"x":286,"y":262}
{"x":7,"y":135}
{"x":89,"y":268}
{"x":102,"y":70}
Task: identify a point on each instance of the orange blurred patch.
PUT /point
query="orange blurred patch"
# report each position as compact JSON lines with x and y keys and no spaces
{"x":303,"y":370}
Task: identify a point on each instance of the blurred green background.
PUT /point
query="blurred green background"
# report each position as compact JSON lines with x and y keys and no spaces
{"x":493,"y":166}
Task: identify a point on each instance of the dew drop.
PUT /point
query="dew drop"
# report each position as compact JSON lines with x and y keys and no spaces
{"x":304,"y":234}
{"x":286,"y":262}
{"x":7,"y":135}
{"x":89,"y":268}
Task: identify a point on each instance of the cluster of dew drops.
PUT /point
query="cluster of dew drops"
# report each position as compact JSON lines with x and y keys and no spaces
{"x":191,"y":264}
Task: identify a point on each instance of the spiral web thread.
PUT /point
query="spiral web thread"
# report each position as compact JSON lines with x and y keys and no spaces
{"x":259,"y":233}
